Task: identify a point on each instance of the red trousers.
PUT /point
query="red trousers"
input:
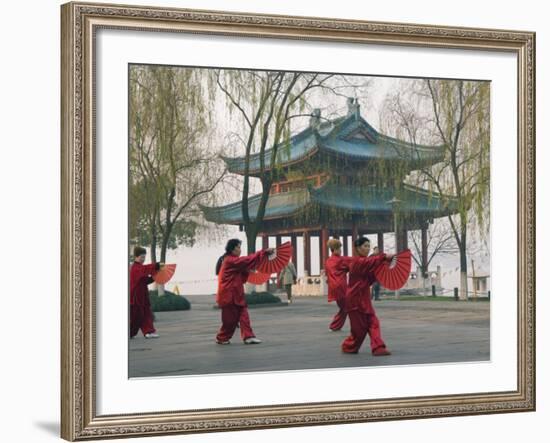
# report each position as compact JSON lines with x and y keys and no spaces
{"x":141,"y":317}
{"x":361,"y":324}
{"x":340,"y":317}
{"x":233,"y":315}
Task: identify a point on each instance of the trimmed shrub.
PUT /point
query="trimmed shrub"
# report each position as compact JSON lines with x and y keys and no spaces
{"x":258,"y":298}
{"x":168,"y":302}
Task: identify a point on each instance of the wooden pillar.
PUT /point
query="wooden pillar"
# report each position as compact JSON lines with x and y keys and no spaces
{"x":294,"y":242}
{"x":396,"y":242}
{"x":320,"y":253}
{"x":354,"y":236}
{"x":424,"y":231}
{"x":307,"y":253}
{"x":402,"y":241}
{"x":345,"y":245}
{"x":278,"y":241}
{"x":265,"y":241}
{"x":380,"y":241}
{"x":323,"y":238}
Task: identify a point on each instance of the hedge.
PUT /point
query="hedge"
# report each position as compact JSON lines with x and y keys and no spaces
{"x":258,"y":298}
{"x":168,"y":302}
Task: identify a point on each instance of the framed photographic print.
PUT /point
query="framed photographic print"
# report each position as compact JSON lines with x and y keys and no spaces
{"x":277,"y":221}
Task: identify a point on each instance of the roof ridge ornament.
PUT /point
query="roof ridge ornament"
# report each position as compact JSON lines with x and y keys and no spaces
{"x":354,"y":109}
{"x":315,"y":119}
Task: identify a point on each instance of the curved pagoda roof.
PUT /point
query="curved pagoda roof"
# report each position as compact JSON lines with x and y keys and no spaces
{"x":350,"y":137}
{"x":370,"y":200}
{"x":413,"y":200}
{"x":278,"y":205}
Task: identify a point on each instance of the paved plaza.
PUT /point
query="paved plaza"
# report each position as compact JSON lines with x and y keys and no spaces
{"x":296,"y":336}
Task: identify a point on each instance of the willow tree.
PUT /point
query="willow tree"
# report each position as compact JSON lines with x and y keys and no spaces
{"x":172,"y":168}
{"x":144,"y":191}
{"x":265,"y":103}
{"x":455,"y":115}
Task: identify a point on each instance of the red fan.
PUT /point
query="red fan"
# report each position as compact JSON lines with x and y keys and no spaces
{"x":257,"y":278}
{"x":273,"y":263}
{"x":394,"y":274}
{"x":164,"y":274}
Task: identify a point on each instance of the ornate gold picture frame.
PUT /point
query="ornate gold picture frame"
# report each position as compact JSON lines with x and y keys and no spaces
{"x":80,"y":24}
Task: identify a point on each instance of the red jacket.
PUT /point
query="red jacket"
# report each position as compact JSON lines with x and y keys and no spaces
{"x":233,"y":275}
{"x":361,"y":277}
{"x":140,"y":277}
{"x":336,"y":268}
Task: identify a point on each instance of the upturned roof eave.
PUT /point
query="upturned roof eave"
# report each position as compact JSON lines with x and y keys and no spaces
{"x":435,"y":212}
{"x":428,"y":154}
{"x":215,"y":214}
{"x":314,"y":197}
{"x":319,"y":148}
{"x":226,"y":221}
{"x":362,"y":157}
{"x":258,"y":172}
{"x":442,"y":210}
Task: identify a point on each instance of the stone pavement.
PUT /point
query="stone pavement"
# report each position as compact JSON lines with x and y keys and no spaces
{"x":297,"y":337}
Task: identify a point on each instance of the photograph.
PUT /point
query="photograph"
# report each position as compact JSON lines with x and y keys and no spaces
{"x":274,"y":221}
{"x":331,"y":220}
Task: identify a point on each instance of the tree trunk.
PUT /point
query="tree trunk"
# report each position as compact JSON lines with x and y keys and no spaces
{"x":164,"y":244}
{"x":163,"y":250}
{"x":160,"y":288}
{"x":251,"y":234}
{"x":463,"y":267}
{"x":153,"y":249}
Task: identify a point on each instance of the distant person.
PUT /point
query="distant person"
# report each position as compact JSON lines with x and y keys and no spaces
{"x":336,"y":268}
{"x":287,"y":277}
{"x":232,"y":271}
{"x":141,"y":316}
{"x":376,"y":285}
{"x":359,"y":307}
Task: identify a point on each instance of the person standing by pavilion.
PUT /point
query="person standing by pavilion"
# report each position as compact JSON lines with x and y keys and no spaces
{"x":232,"y":271}
{"x":141,"y":316}
{"x":287,"y":277}
{"x":358,"y":300}
{"x":336,"y":268}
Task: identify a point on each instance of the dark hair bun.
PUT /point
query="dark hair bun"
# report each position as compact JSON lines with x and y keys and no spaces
{"x":231,"y":245}
{"x":361,"y":241}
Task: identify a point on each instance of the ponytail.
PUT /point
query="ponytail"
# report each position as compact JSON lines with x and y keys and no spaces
{"x":219,"y":263}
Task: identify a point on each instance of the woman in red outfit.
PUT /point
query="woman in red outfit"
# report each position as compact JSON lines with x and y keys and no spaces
{"x":232,"y":271}
{"x":336,"y":268}
{"x":358,"y":300}
{"x":141,"y":316}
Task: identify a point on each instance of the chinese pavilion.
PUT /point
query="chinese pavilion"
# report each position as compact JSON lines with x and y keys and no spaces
{"x":340,"y":178}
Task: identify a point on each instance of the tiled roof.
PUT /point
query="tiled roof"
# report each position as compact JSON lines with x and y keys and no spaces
{"x":278,"y":205}
{"x":338,"y":197}
{"x":349,"y":136}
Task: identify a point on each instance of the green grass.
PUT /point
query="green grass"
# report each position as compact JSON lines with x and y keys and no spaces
{"x":168,"y":302}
